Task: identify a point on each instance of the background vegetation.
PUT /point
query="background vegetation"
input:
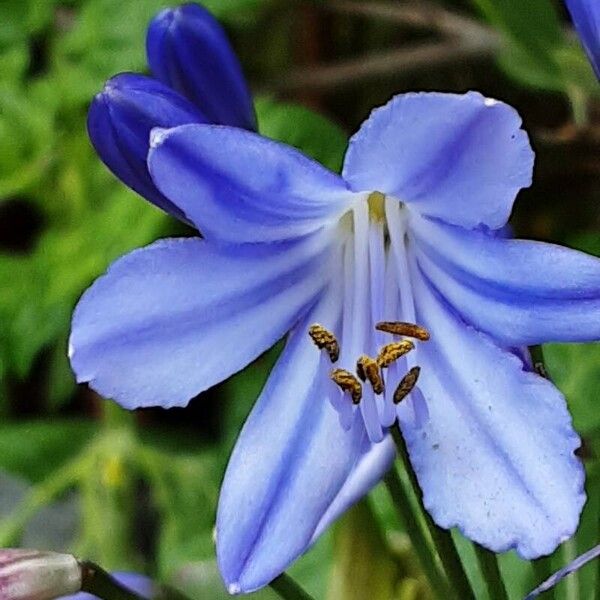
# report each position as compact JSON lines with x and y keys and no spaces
{"x":138,"y":491}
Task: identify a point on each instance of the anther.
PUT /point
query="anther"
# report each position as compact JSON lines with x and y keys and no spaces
{"x":392,"y":352}
{"x":367,"y":368}
{"x":406,"y":385}
{"x":325,"y":340}
{"x":348,"y":383}
{"x":401,"y":328}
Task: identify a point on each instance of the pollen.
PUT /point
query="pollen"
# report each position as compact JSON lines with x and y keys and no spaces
{"x":392,"y":352}
{"x":401,"y":328}
{"x":367,"y":368}
{"x":348,"y":383}
{"x":406,"y":385}
{"x":376,"y":201}
{"x":325,"y":340}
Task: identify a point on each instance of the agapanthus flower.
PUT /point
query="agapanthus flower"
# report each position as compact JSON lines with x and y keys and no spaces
{"x":411,"y":232}
{"x":586,"y":18}
{"x":196,"y":79}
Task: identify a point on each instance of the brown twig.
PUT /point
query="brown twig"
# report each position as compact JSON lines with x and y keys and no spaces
{"x":463,"y":38}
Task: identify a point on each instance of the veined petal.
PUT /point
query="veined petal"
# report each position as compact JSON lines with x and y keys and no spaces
{"x":169,"y":321}
{"x":586,"y":18}
{"x":189,"y":51}
{"x":496,"y":457}
{"x":275,"y":494}
{"x":520,"y":292}
{"x":462,"y":158}
{"x":376,"y":461}
{"x":237,"y":186}
{"x":119,"y":123}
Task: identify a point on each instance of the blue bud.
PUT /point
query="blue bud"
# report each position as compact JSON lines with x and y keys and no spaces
{"x":189,"y":51}
{"x":119,"y":123}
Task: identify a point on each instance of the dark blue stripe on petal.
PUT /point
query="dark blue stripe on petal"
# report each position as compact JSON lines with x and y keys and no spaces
{"x":119,"y":123}
{"x":189,"y":51}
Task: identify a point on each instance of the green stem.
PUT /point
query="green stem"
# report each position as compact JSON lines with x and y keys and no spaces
{"x":542,"y":569}
{"x":98,"y":582}
{"x":441,"y":537}
{"x":288,"y":589}
{"x":488,"y":563}
{"x":412,"y":524}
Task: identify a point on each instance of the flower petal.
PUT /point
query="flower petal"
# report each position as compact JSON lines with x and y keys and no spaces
{"x":238,"y":186}
{"x":496,"y":457}
{"x":461,"y":158}
{"x":520,"y":292}
{"x":586,"y":18}
{"x":288,"y":467}
{"x":119,"y":123}
{"x":376,"y":461}
{"x":170,"y":320}
{"x":189,"y":51}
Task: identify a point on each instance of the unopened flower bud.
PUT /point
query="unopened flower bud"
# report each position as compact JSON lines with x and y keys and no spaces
{"x":35,"y":575}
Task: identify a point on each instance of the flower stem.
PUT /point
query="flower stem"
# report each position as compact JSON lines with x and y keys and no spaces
{"x":414,"y":529}
{"x":288,"y":589}
{"x":441,"y":537}
{"x":98,"y":582}
{"x":488,"y":563}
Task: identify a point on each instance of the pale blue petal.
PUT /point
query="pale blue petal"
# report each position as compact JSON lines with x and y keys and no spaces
{"x":462,"y":158}
{"x":496,"y":457}
{"x":169,"y":321}
{"x":289,"y":465}
{"x":368,"y":472}
{"x":586,"y":18}
{"x":520,"y":292}
{"x":238,"y":186}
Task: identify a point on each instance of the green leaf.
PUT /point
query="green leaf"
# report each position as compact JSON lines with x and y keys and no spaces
{"x":26,"y":141}
{"x":22,"y":445}
{"x":184,"y":492}
{"x":533,"y":34}
{"x":304,"y":129}
{"x":575,"y":368}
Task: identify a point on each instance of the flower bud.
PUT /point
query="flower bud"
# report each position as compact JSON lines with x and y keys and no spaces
{"x":119,"y":123}
{"x":35,"y":575}
{"x":189,"y":51}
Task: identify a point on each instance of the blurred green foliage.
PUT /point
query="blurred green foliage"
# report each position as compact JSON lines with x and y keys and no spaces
{"x":145,"y":495}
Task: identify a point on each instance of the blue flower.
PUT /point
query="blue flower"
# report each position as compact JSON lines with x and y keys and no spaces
{"x":198,"y":79}
{"x":413,"y":231}
{"x":586,"y":18}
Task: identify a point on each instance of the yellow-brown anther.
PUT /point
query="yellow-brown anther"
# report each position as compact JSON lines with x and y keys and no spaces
{"x":406,"y":385}
{"x":367,"y":368}
{"x":392,"y":352}
{"x":325,"y":340}
{"x":401,"y":328}
{"x":348,"y":383}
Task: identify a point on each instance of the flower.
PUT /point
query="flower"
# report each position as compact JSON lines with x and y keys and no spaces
{"x":36,"y":575}
{"x":586,"y":18}
{"x":413,"y":231}
{"x":197,"y":79}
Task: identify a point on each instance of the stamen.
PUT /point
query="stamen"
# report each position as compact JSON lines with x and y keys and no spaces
{"x":401,"y":328}
{"x":325,"y":340}
{"x":348,"y":383}
{"x":407,"y":384}
{"x":367,"y":368}
{"x":392,"y":352}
